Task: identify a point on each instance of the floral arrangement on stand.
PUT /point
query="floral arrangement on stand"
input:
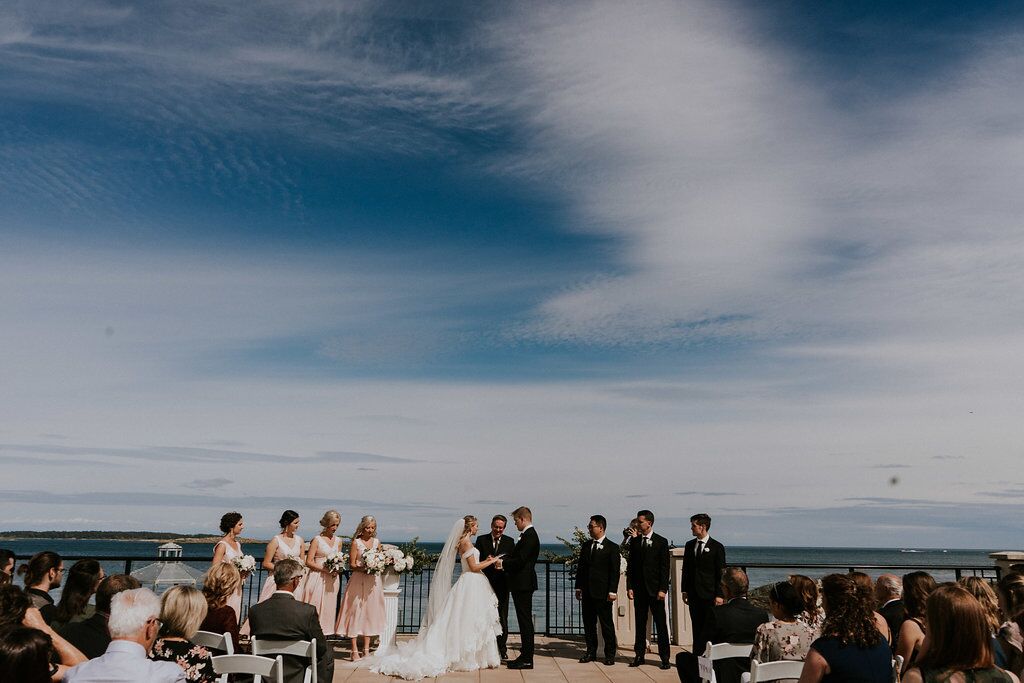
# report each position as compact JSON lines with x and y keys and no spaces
{"x":245,"y":564}
{"x":419,"y":558}
{"x":336,"y":562}
{"x":387,"y":558}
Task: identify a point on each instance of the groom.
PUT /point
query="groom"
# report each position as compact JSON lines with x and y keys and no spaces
{"x":522,"y":582}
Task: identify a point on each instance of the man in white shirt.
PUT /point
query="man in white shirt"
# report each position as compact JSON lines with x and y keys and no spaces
{"x":133,"y":627}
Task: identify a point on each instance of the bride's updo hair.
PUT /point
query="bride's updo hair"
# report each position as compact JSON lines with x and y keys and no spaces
{"x":363,"y":523}
{"x":330,"y":517}
{"x":469,"y":521}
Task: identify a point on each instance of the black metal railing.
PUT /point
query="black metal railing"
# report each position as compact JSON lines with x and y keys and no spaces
{"x":556,"y":611}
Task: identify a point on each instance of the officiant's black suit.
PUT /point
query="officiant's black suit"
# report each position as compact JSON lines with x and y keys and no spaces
{"x":646,"y":575}
{"x":597,"y":576}
{"x":498,"y":579}
{"x":702,"y":583}
{"x":522,"y":582}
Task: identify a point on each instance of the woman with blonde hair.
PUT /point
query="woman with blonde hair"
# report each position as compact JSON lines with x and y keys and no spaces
{"x":221,"y":582}
{"x":362,"y":607}
{"x":182,"y":611}
{"x":959,"y":641}
{"x":322,"y":584}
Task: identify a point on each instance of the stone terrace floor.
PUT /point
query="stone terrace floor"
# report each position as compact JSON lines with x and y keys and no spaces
{"x":554,"y":661}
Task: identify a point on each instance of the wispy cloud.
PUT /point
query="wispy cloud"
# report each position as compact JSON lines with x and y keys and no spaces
{"x":213,"y":483}
{"x":72,"y":455}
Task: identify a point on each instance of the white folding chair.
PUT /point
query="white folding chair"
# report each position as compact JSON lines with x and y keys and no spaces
{"x":897,"y":668}
{"x":774,"y":671}
{"x":725,"y":651}
{"x":298,"y":648}
{"x":258,"y":667}
{"x":215,"y":641}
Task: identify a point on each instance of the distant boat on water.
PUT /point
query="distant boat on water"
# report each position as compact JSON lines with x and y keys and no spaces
{"x":911,"y":550}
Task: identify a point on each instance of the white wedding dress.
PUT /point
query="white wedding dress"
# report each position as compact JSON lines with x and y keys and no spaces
{"x":459,"y":632}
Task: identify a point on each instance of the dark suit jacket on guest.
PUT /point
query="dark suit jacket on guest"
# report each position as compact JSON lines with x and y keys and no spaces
{"x":734,"y":622}
{"x":282,"y":617}
{"x":485,"y":544}
{"x":519,"y":564}
{"x":597,"y":573}
{"x":90,"y":635}
{"x":647,"y":571}
{"x":702,"y":576}
{"x":894,"y":614}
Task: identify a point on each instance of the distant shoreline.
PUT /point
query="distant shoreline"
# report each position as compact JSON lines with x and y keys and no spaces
{"x":150,"y":536}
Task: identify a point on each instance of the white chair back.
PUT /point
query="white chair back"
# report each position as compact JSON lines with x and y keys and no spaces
{"x":258,"y":667}
{"x":298,"y":648}
{"x":216,"y":641}
{"x":727,"y":650}
{"x":774,"y":671}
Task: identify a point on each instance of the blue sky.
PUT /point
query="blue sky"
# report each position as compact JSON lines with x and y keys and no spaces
{"x":758,"y":260}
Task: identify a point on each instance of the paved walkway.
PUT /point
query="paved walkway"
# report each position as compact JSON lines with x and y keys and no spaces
{"x":554,"y":661}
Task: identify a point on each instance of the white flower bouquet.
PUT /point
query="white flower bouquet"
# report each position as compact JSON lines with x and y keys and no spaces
{"x":623,"y":565}
{"x":245,"y":564}
{"x":335,"y":562}
{"x":375,"y":561}
{"x":396,"y":560}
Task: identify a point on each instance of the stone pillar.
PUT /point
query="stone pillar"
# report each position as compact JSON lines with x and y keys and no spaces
{"x":679,"y":614}
{"x":1006,"y":560}
{"x":392,"y":587}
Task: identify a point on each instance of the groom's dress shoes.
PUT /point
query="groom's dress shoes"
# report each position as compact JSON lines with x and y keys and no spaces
{"x":588,"y":658}
{"x":609,"y":661}
{"x":637,"y":661}
{"x":520,"y":664}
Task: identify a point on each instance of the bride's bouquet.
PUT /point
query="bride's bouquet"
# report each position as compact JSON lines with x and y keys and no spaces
{"x":335,"y":562}
{"x":375,"y":561}
{"x":245,"y":564}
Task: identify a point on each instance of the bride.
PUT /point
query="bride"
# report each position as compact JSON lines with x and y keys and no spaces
{"x":460,"y":628}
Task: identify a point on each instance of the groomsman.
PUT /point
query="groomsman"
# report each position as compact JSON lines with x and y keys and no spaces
{"x":597,"y":583}
{"x":647,"y":579}
{"x":522,"y":582}
{"x":491,"y":545}
{"x":703,"y":564}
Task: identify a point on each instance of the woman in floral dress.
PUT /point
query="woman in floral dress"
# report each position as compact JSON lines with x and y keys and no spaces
{"x":182,"y":611}
{"x":786,"y":638}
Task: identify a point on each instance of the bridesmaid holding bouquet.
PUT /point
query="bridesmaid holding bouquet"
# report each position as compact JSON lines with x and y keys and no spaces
{"x":227,"y":550}
{"x":285,"y":544}
{"x":322,"y":583}
{"x":362,"y":608}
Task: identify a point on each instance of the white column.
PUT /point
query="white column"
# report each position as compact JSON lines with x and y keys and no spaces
{"x":392,"y":588}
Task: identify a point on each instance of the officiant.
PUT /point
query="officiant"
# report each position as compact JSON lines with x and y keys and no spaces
{"x":491,"y":545}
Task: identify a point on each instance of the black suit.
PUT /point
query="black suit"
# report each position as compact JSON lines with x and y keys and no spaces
{"x":282,"y":617}
{"x":734,"y":622}
{"x":498,"y":579}
{"x":894,"y":614}
{"x":89,"y":635}
{"x":597,"y":577}
{"x":702,"y":583}
{"x":522,"y":582}
{"x":647,"y":575}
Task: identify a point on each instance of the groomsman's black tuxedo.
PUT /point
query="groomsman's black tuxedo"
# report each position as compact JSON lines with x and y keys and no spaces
{"x":647,"y":575}
{"x":498,"y":579}
{"x":702,"y":583}
{"x":597,"y":576}
{"x":518,"y":566}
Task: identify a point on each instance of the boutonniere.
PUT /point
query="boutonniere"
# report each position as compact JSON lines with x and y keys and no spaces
{"x":707,"y":549}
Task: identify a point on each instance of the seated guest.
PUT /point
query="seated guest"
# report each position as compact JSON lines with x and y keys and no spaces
{"x":91,"y":635}
{"x":983,"y":593}
{"x":6,"y":566}
{"x":850,"y":650}
{"x":81,"y":582}
{"x":786,"y":638}
{"x":219,"y":586}
{"x":736,"y":621}
{"x":865,"y":584}
{"x":134,"y":623}
{"x":282,"y":617}
{"x":183,"y":609}
{"x":16,"y":611}
{"x":959,"y":641}
{"x":807,"y":587}
{"x":889,"y":603}
{"x":916,"y":588}
{"x":42,"y":574}
{"x":1010,"y":591}
{"x":25,"y":656}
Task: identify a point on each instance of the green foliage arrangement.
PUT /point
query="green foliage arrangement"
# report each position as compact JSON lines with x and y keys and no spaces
{"x":422,"y":559}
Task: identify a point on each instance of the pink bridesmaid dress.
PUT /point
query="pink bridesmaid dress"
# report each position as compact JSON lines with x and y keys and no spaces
{"x":235,"y":601}
{"x":284,"y":549}
{"x":322,"y":589}
{"x":362,"y":607}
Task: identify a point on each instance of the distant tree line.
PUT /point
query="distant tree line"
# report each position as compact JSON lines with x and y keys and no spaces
{"x":102,"y":535}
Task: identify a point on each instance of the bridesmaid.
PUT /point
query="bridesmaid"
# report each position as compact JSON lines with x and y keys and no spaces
{"x":285,"y":544}
{"x":362,"y":607}
{"x":227,"y":549}
{"x":321,"y":585}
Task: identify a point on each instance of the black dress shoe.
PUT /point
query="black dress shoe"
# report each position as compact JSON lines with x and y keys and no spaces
{"x":637,"y":661}
{"x":520,"y":664}
{"x":609,"y":661}
{"x":664,"y":666}
{"x":588,"y":658}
